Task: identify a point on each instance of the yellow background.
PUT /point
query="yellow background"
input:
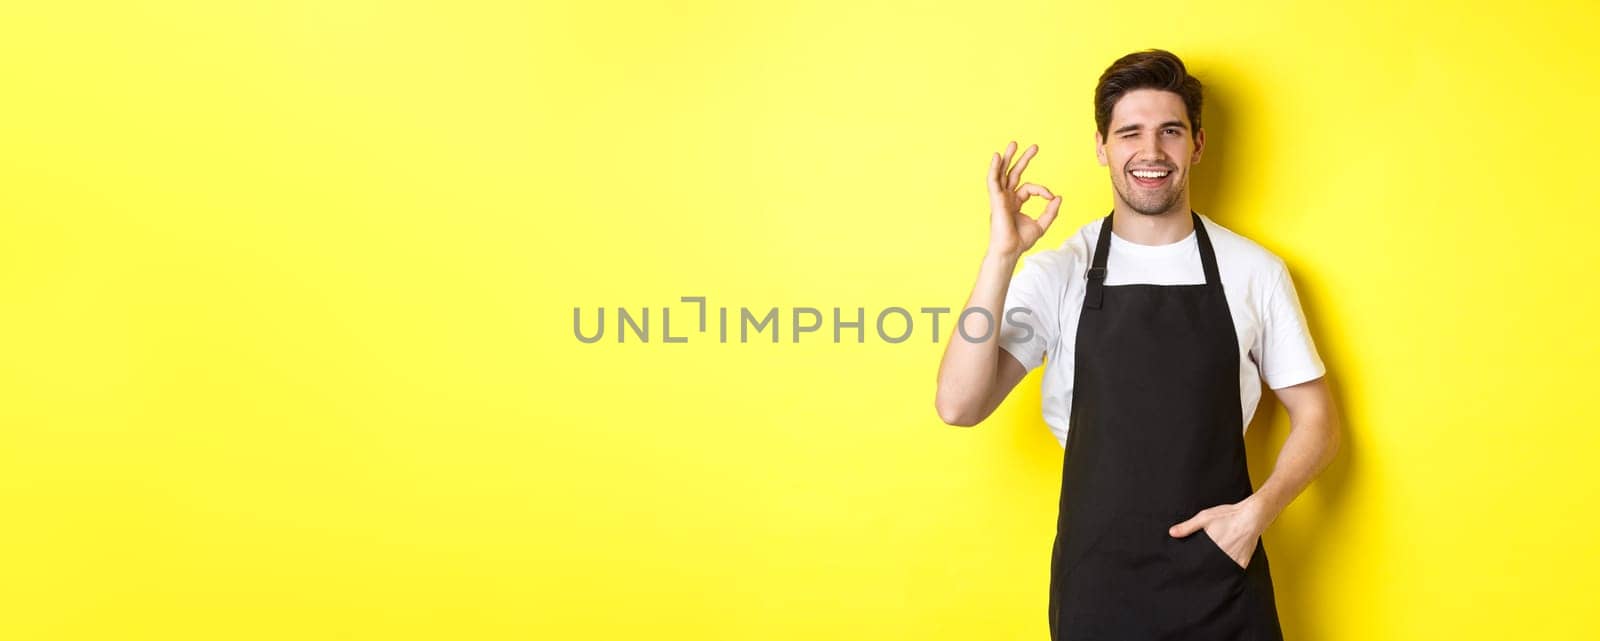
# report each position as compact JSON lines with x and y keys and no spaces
{"x":286,"y":342}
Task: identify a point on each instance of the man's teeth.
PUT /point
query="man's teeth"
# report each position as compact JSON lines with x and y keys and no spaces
{"x":1150,"y":174}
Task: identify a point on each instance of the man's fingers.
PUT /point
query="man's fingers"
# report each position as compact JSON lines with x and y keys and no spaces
{"x":994,"y":174}
{"x":1016,"y":172}
{"x":1035,"y":190}
{"x":1005,"y":163}
{"x":1187,"y":527}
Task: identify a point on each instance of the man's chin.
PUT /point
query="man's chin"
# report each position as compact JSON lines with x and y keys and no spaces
{"x":1147,"y":208}
{"x":1155,"y":210}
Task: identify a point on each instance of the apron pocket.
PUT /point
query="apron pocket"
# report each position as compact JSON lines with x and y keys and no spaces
{"x":1216,"y":552}
{"x":1200,"y":553}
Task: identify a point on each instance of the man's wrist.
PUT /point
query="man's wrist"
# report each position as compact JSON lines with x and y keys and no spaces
{"x":1002,"y":257}
{"x":1269,"y":503}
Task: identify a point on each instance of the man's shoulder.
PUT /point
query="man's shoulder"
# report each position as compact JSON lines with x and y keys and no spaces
{"x":1238,"y":252}
{"x":1063,"y":260}
{"x":1078,"y":245}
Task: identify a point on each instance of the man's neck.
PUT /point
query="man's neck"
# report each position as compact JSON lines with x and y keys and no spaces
{"x":1161,"y":229}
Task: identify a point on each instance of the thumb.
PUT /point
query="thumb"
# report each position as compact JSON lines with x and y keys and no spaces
{"x":1188,"y":527}
{"x":1049,"y":214}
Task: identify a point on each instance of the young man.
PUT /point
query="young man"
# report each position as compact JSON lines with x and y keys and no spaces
{"x":1157,"y":323}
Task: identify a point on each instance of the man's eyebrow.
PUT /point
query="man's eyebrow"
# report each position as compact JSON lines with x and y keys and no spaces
{"x":1170,"y":123}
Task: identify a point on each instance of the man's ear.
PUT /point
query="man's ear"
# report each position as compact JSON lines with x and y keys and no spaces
{"x":1100,"y":147}
{"x":1199,"y":145}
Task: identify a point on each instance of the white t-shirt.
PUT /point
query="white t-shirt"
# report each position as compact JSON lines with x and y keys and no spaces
{"x":1274,"y":343}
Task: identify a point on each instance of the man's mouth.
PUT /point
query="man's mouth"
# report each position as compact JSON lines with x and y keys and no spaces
{"x":1150,"y":177}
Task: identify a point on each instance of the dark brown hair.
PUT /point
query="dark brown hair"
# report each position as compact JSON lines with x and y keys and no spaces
{"x":1148,"y":69}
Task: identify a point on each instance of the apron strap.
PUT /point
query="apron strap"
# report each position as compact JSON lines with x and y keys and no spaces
{"x":1097,"y":269}
{"x":1208,"y":258}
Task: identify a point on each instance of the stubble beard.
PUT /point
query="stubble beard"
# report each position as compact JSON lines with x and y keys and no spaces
{"x":1147,"y":203}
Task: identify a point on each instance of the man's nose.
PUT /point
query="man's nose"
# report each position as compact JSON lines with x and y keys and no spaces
{"x":1151,"y":150}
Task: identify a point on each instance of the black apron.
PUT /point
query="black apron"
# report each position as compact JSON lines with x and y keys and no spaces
{"x":1156,"y":434}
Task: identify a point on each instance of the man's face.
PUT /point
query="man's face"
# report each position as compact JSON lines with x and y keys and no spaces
{"x":1149,"y":132}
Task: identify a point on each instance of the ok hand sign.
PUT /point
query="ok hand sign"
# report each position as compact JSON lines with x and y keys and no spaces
{"x":1012,"y":232}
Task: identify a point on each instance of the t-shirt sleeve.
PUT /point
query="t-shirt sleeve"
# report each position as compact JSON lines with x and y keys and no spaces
{"x":1287,"y":354}
{"x":1029,"y":317}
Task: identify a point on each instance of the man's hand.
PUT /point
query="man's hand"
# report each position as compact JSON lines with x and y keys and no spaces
{"x":1234,"y":527}
{"x":1012,"y":232}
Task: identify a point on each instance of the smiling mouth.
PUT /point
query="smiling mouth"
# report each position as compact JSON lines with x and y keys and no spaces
{"x":1150,"y":177}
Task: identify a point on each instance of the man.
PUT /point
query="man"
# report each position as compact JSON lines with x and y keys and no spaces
{"x":1157,"y":322}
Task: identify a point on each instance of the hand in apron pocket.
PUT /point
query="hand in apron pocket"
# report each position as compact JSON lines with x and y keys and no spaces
{"x":1216,"y":550}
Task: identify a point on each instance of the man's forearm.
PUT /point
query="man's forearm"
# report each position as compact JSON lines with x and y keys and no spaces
{"x":1312,"y":443}
{"x":967,"y":371}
